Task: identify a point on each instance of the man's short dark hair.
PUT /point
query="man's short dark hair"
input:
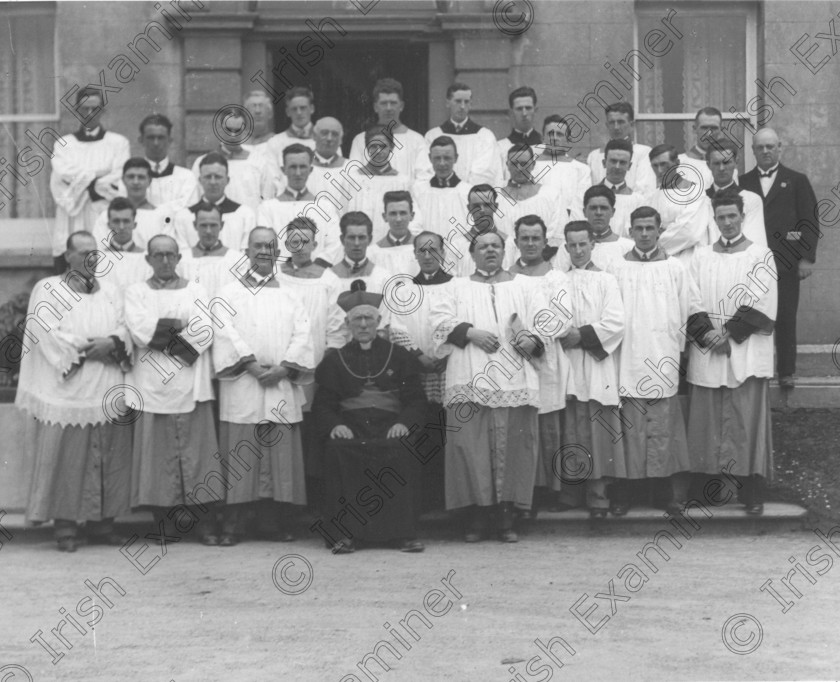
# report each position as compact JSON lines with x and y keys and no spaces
{"x":493,"y":231}
{"x":443,"y":141}
{"x":620,"y":145}
{"x":137,"y":162}
{"x":370,"y":133}
{"x":298,"y":148}
{"x":207,"y":207}
{"x":299,"y":91}
{"x":484,"y":187}
{"x":579,"y":226}
{"x":395,"y":196}
{"x":724,"y":144}
{"x":530,"y":219}
{"x":387,"y":86}
{"x":599,"y":191}
{"x":302,"y":223}
{"x":426,"y":236}
{"x":120,"y":204}
{"x":211,"y":158}
{"x":355,"y":218}
{"x":728,"y":197}
{"x":520,"y":148}
{"x":156,"y":120}
{"x":559,"y":120}
{"x":708,"y":111}
{"x":88,"y":92}
{"x":621,"y":108}
{"x":661,"y":149}
{"x":645,"y":212}
{"x":524,"y":91}
{"x":72,"y":237}
{"x":456,"y":87}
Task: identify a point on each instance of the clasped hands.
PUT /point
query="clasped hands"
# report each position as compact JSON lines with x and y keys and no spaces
{"x":396,"y":431}
{"x":267,"y":375}
{"x":489,"y":342}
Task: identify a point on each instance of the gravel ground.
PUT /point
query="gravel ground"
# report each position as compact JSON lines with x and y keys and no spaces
{"x":217,"y":614}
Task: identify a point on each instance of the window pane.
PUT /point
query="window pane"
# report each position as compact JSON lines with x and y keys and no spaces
{"x":707,"y":67}
{"x":27,"y":54}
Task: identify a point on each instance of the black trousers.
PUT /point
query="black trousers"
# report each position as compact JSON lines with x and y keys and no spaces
{"x":788,"y":305}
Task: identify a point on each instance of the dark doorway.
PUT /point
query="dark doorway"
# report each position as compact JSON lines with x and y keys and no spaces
{"x":343,"y":80}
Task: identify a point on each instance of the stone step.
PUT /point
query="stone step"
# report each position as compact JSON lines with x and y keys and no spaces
{"x":730,"y":519}
{"x":818,"y":361}
{"x":810,"y":392}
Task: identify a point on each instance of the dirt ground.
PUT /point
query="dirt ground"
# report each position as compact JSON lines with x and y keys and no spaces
{"x":217,"y":614}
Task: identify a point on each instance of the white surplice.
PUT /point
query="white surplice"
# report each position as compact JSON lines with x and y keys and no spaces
{"x":150,"y":223}
{"x":546,"y":203}
{"x":570,"y":178}
{"x":727,"y":281}
{"x":501,"y":379}
{"x":213,"y":272}
{"x":169,"y":386}
{"x":684,"y":222}
{"x":659,"y":296}
{"x":596,"y":302}
{"x":368,"y":195}
{"x":52,"y":341}
{"x":625,"y":204}
{"x":75,"y":165}
{"x":271,"y":324}
{"x":178,"y":190}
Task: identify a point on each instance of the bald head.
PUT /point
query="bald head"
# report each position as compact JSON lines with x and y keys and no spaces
{"x":328,"y":133}
{"x":767,"y":148}
{"x":162,"y":242}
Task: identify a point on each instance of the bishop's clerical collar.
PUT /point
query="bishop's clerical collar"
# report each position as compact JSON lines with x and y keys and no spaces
{"x":603,"y":236}
{"x":487,"y":275}
{"x":729,"y":243}
{"x":646,"y":255}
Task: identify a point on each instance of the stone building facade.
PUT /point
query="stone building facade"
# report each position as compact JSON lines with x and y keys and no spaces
{"x":769,"y":63}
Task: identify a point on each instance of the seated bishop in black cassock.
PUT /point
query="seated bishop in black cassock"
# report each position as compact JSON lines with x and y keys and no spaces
{"x":369,"y":395}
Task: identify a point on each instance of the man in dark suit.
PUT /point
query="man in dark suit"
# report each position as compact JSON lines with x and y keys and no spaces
{"x":792,"y":234}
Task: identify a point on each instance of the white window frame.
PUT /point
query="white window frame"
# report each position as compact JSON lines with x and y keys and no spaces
{"x":751,"y":47}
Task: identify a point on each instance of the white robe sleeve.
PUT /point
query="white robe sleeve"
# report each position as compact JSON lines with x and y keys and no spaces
{"x":688,"y":230}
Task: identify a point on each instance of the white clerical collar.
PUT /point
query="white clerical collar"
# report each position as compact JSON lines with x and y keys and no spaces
{"x":128,"y":246}
{"x":328,"y":161}
{"x":353,"y":264}
{"x":585,"y":266}
{"x":460,"y":125}
{"x":486,"y":274}
{"x":720,"y":189}
{"x":646,"y":255}
{"x":262,"y":279}
{"x":398,"y":242}
{"x":215,"y":203}
{"x":159,"y":166}
{"x":522,"y":264}
{"x":94,"y":132}
{"x":429,"y":277}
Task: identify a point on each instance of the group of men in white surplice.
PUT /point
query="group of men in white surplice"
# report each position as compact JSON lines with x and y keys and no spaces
{"x":547,"y":327}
